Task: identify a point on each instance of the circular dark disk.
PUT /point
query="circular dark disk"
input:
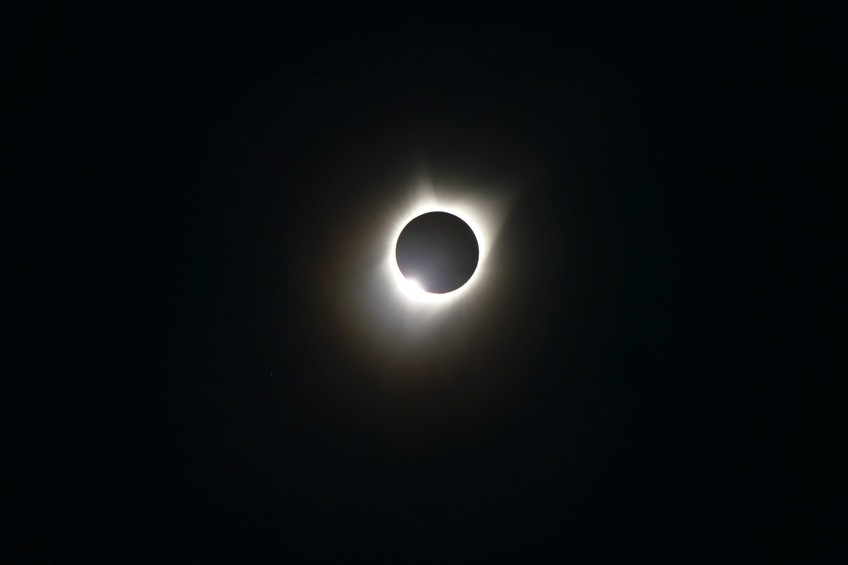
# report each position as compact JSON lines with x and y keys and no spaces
{"x":438,"y":251}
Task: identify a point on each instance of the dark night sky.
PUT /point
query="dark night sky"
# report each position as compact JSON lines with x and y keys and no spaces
{"x":191,"y":192}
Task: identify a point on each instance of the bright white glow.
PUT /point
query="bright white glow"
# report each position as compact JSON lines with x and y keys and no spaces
{"x":389,"y":322}
{"x":473,"y":214}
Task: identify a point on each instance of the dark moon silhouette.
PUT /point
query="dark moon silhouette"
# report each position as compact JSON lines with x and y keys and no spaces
{"x":437,"y":250}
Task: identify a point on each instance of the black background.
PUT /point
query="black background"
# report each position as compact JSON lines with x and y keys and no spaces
{"x":182,"y":388}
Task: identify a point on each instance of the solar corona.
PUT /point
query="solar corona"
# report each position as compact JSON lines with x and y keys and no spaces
{"x":437,"y":251}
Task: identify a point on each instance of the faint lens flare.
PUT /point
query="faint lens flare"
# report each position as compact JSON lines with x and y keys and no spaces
{"x":480,"y":215}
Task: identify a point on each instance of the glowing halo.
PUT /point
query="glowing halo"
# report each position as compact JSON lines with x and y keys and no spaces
{"x":393,"y":326}
{"x":464,"y":210}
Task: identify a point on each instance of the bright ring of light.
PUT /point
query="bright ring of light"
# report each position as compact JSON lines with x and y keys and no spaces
{"x":408,"y":288}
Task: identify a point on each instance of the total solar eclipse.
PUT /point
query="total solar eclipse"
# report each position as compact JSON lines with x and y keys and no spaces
{"x":438,"y":252}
